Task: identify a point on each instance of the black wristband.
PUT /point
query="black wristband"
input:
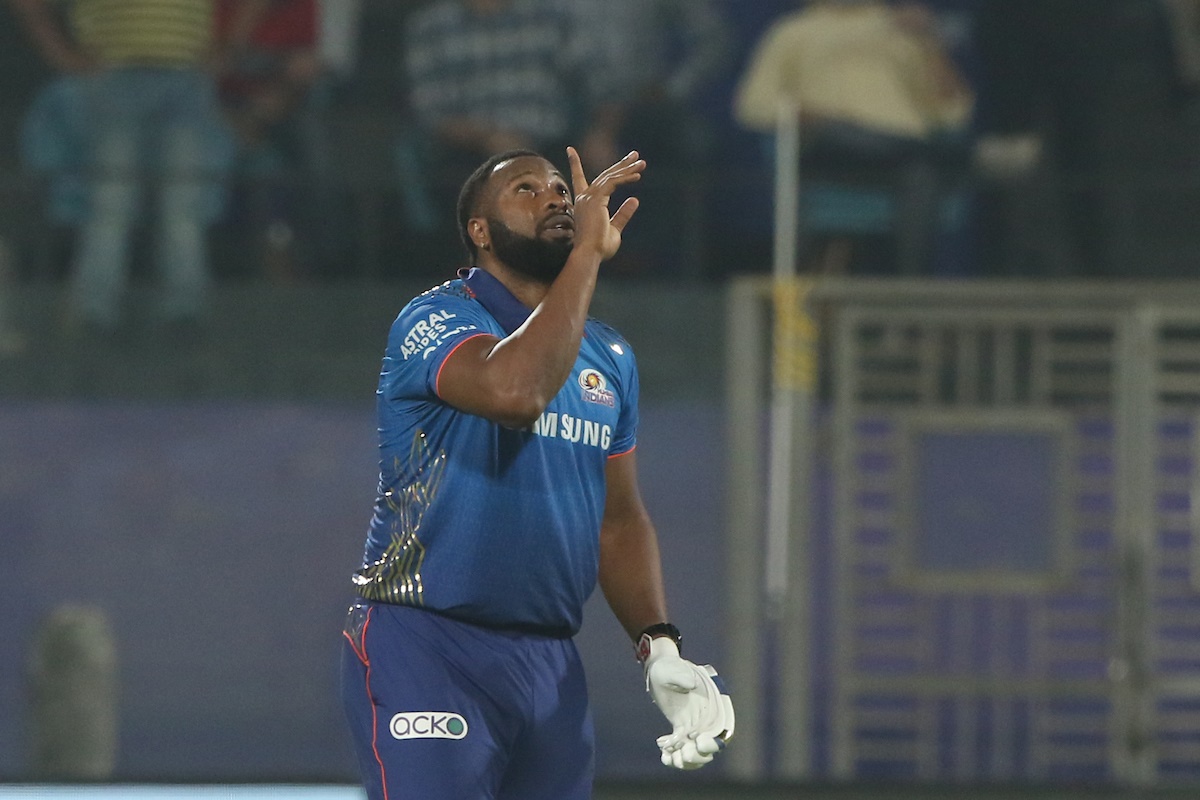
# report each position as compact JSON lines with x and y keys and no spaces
{"x":653,"y":632}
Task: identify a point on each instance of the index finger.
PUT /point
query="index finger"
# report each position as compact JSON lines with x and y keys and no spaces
{"x":578,"y":180}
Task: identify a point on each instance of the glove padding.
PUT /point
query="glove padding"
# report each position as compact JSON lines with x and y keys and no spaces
{"x":693,"y":700}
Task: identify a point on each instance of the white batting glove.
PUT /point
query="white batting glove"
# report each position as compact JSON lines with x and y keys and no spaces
{"x":694,"y":701}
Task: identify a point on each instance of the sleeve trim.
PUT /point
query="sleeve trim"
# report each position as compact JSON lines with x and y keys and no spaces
{"x":438,"y":378}
{"x":622,"y":453}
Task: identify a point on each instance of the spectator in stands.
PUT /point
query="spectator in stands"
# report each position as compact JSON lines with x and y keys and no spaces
{"x":338,"y":35}
{"x":1078,"y":117}
{"x":269,"y":63}
{"x":659,"y":57}
{"x":151,"y":111}
{"x":485,"y":76}
{"x":877,"y":97}
{"x":331,"y":222}
{"x":12,"y":341}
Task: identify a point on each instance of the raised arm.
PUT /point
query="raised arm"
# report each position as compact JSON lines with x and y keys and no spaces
{"x":512,"y":380}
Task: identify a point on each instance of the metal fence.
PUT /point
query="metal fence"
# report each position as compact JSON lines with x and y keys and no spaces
{"x":981,"y":566}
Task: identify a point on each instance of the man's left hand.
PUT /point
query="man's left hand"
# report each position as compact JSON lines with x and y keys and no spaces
{"x":693,"y":700}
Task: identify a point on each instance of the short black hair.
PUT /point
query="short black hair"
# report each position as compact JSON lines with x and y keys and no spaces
{"x":468,"y":196}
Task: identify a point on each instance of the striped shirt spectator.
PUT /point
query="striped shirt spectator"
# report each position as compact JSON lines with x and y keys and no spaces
{"x":144,"y":32}
{"x":670,"y":47}
{"x":140,"y":97}
{"x":514,"y":68}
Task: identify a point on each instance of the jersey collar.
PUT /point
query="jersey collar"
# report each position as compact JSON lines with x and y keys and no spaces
{"x":510,"y":312}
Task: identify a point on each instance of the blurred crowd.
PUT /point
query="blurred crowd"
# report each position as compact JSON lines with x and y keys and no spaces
{"x":193,"y":141}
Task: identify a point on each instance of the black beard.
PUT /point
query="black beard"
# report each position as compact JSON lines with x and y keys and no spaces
{"x":530,"y":256}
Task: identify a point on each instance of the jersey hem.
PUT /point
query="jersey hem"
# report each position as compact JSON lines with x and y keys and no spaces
{"x":516,"y":628}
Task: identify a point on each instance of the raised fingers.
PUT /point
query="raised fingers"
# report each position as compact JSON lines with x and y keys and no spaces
{"x":627,"y":170}
{"x":624,"y":213}
{"x":578,"y":179}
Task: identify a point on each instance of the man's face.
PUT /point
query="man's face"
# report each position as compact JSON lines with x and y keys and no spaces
{"x":530,"y":217}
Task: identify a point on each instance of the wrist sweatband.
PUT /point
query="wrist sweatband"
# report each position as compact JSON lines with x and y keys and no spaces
{"x":642,"y":649}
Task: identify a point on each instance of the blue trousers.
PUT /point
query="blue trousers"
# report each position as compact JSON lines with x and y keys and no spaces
{"x":444,"y":710}
{"x":165,"y":125}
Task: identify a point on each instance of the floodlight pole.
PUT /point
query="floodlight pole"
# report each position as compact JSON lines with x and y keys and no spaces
{"x":789,"y":475}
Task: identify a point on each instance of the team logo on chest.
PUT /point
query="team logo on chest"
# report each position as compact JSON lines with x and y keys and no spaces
{"x":595,"y":388}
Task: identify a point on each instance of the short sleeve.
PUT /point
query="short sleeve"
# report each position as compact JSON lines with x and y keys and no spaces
{"x":625,"y":437}
{"x":427,"y":331}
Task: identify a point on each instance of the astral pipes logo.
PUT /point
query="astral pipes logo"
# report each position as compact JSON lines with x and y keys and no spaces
{"x":428,"y":725}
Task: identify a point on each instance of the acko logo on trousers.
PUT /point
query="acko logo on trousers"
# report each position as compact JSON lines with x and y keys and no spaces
{"x":428,"y":725}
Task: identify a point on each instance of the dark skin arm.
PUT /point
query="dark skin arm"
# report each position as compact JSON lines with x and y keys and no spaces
{"x":512,"y":380}
{"x":630,"y":565}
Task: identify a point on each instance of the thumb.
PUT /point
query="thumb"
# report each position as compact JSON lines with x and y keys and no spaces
{"x":624,"y":213}
{"x":706,"y":744}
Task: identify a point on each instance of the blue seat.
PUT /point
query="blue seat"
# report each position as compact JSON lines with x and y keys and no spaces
{"x":843,"y":208}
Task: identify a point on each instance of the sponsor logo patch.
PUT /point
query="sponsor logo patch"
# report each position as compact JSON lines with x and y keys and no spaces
{"x":428,"y":725}
{"x":553,"y":425}
{"x":595,"y":388}
{"x":425,"y":336}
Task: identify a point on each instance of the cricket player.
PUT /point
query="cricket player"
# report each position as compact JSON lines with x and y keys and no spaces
{"x":508,"y":487}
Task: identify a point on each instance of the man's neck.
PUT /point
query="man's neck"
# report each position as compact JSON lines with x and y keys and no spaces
{"x":529,"y":291}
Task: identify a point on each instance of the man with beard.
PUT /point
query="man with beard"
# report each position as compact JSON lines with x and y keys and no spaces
{"x":508,"y":487}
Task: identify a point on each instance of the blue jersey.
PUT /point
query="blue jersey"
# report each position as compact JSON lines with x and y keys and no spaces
{"x":482,"y":523}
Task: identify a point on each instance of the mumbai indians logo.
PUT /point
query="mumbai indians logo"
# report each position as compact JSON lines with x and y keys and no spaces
{"x":595,"y":388}
{"x":428,"y":725}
